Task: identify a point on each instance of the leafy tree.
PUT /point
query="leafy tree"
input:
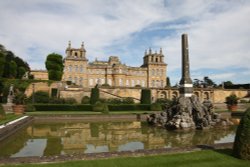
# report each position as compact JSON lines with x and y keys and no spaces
{"x":228,"y":83}
{"x":145,"y":96}
{"x":2,"y":63}
{"x":94,"y":97}
{"x":13,"y":69}
{"x":40,"y":97}
{"x":21,"y":71}
{"x":242,"y":139}
{"x":54,"y":65}
{"x":168,"y":82}
{"x":208,"y":82}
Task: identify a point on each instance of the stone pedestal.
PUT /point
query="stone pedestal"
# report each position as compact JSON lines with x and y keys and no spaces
{"x":8,"y":108}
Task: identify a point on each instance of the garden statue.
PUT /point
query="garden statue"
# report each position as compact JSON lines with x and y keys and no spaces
{"x":10,"y":95}
{"x":187,"y":111}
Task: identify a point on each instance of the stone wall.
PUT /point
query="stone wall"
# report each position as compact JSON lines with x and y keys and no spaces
{"x":216,"y":95}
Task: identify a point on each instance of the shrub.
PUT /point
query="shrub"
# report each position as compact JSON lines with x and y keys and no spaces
{"x":232,"y":100}
{"x":55,"y":100}
{"x":70,"y":100}
{"x":30,"y":108}
{"x":94,"y":97}
{"x":41,"y":97}
{"x":145,"y":96}
{"x":114,"y":101}
{"x":242,"y":139}
{"x":100,"y":107}
{"x":128,"y":100}
{"x":129,"y":107}
{"x":20,"y":98}
{"x":85,"y":100}
{"x":2,"y":113}
{"x":155,"y":107}
{"x":62,"y":107}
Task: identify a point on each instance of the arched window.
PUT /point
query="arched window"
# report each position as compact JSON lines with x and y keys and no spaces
{"x":76,"y":54}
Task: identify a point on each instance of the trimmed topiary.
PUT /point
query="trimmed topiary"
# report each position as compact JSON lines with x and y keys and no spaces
{"x":94,"y":97}
{"x":85,"y":100}
{"x":2,"y":113}
{"x":100,"y":107}
{"x":155,"y":107}
{"x":145,"y":96}
{"x":241,"y":147}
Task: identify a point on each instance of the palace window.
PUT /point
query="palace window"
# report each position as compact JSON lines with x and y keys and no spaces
{"x":162,"y":83}
{"x":153,"y":83}
{"x":76,"y":68}
{"x":153,"y":72}
{"x":110,"y":82}
{"x":70,"y":68}
{"x":138,"y":82}
{"x":90,"y":82}
{"x":80,"y":81}
{"x":120,"y":82}
{"x":102,"y":81}
{"x":70,"y":79}
{"x":127,"y":82}
{"x":76,"y":80}
{"x":143,"y":83}
{"x":81,"y":68}
{"x":132,"y":82}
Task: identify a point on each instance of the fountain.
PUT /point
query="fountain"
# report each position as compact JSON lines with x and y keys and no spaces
{"x":187,"y":112}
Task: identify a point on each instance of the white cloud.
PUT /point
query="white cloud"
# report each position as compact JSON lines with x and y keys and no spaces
{"x":218,"y":30}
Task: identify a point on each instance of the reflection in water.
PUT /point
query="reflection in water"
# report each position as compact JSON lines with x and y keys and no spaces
{"x":81,"y":137}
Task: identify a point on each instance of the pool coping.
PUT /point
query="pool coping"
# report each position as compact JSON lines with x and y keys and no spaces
{"x":107,"y":155}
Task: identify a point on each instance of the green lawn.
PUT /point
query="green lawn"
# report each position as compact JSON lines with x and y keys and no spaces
{"x":9,"y":117}
{"x":207,"y":158}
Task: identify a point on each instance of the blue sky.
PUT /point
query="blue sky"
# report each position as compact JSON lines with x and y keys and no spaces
{"x":219,"y":32}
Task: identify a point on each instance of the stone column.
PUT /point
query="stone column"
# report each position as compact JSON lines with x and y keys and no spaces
{"x":186,"y":85}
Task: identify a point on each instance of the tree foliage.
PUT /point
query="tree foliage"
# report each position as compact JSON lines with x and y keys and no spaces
{"x":95,"y":95}
{"x":145,"y":96}
{"x":7,"y":67}
{"x":241,"y":148}
{"x":54,"y":66}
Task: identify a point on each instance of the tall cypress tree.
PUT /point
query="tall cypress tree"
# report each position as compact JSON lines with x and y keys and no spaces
{"x":94,"y":97}
{"x":145,"y":96}
{"x":54,"y":65}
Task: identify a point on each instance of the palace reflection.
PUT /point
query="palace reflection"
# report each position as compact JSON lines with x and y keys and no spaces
{"x":42,"y":138}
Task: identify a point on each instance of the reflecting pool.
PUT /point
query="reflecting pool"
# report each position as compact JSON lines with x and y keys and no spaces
{"x":43,"y":139}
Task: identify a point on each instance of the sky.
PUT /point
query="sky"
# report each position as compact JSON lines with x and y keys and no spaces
{"x":218,"y":32}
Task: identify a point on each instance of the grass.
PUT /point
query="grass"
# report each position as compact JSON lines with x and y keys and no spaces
{"x":205,"y":158}
{"x":9,"y":117}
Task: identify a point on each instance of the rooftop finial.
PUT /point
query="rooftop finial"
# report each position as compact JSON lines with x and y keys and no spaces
{"x":82,"y":45}
{"x":150,"y":51}
{"x":145,"y":52}
{"x":161,"y":51}
{"x":69,"y":46}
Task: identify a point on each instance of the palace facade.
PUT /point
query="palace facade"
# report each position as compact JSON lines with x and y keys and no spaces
{"x":78,"y":70}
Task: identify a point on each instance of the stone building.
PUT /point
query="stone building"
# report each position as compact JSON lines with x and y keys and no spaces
{"x":80,"y":71}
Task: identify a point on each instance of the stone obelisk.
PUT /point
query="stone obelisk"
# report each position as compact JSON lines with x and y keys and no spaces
{"x":186,"y":85}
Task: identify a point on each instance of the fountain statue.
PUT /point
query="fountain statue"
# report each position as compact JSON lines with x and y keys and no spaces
{"x":187,"y":112}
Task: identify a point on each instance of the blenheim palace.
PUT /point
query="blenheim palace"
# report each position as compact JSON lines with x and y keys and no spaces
{"x":80,"y":71}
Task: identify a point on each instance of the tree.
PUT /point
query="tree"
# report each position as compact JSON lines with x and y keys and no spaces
{"x":242,"y":139}
{"x":208,"y":82}
{"x":168,"y":82}
{"x":227,"y":84}
{"x":54,"y":65}
{"x":13,"y":69}
{"x":94,"y":97}
{"x":2,"y":62}
{"x":20,"y":72}
{"x":145,"y":96}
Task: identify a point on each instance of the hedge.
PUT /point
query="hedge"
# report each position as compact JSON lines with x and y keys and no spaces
{"x":63,"y":107}
{"x":88,"y":107}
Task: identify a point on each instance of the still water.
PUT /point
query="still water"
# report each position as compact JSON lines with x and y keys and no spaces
{"x":43,"y":139}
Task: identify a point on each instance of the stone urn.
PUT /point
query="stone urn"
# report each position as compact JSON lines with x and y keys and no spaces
{"x":18,"y":109}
